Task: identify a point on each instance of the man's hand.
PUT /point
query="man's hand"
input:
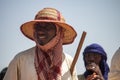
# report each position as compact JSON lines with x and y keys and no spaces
{"x":96,"y":75}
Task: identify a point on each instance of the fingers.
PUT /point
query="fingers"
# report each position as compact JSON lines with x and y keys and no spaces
{"x":91,"y":77}
{"x":94,"y":76}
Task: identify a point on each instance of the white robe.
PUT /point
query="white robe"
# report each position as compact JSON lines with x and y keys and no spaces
{"x":22,"y":67}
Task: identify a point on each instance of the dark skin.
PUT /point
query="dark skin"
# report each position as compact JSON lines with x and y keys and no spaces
{"x":92,"y":64}
{"x":44,"y":32}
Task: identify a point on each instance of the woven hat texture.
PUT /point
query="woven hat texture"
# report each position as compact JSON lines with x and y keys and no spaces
{"x":50,"y":15}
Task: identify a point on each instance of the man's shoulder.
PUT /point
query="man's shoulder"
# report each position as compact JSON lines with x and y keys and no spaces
{"x":68,"y":56}
{"x":26,"y":52}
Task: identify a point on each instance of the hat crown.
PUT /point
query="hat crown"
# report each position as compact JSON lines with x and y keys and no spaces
{"x":49,"y":13}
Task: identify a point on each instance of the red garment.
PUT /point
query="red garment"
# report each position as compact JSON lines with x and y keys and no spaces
{"x":48,"y":59}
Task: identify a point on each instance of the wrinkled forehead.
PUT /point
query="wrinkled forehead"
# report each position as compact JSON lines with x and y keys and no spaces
{"x":93,"y":54}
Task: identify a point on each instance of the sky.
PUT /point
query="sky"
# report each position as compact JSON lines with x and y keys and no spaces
{"x":99,"y":18}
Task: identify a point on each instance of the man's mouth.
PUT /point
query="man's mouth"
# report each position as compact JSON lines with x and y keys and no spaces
{"x":42,"y":37}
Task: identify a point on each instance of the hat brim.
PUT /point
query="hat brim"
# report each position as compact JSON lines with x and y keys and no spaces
{"x":69,"y":32}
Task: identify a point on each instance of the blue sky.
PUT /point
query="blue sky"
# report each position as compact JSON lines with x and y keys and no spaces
{"x":99,"y":18}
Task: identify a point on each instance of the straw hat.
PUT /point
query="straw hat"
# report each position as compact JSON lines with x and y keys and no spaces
{"x":50,"y":15}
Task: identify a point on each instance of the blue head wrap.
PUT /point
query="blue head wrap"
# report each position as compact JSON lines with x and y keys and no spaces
{"x":95,"y":48}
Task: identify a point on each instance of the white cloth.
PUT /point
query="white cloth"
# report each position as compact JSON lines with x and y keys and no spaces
{"x":22,"y":67}
{"x":115,"y":66}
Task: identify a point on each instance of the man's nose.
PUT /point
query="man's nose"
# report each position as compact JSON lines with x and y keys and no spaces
{"x":91,"y":59}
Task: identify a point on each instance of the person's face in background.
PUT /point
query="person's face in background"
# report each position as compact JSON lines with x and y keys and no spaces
{"x":93,"y":61}
{"x":93,"y":58}
{"x":44,"y":32}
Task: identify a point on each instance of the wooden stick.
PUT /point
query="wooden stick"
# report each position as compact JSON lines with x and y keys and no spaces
{"x":77,"y":52}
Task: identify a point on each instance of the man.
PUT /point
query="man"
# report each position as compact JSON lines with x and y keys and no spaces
{"x":45,"y":61}
{"x":96,"y":66}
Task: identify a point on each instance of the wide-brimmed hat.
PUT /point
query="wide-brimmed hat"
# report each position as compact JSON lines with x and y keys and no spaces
{"x":50,"y":15}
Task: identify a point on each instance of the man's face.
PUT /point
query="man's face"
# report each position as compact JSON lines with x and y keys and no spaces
{"x":44,"y":32}
{"x":93,"y":58}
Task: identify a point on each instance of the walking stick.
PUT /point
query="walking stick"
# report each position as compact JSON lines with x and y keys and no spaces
{"x":77,"y":52}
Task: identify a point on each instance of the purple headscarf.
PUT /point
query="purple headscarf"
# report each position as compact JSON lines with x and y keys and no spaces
{"x":96,"y":48}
